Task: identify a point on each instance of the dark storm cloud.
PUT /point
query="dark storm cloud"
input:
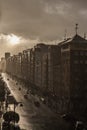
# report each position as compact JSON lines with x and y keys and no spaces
{"x":44,"y":19}
{"x":19,"y":15}
{"x":39,"y":20}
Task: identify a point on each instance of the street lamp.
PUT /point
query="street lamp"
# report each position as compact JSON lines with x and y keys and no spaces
{"x":15,"y":104}
{"x":12,"y":101}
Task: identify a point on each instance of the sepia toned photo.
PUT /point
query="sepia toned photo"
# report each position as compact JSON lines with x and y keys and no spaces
{"x":43,"y":65}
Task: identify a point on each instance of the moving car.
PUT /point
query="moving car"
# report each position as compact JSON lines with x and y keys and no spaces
{"x":25,"y":96}
{"x":36,"y":103}
{"x":19,"y":88}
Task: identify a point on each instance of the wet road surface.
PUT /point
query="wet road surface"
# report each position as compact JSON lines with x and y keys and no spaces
{"x":32,"y":117}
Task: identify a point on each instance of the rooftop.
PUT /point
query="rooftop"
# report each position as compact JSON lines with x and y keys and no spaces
{"x":75,"y":39}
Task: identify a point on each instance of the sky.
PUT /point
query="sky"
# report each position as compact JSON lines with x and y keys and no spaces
{"x":36,"y":21}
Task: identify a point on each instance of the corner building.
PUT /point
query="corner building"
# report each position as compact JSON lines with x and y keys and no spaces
{"x":74,"y":74}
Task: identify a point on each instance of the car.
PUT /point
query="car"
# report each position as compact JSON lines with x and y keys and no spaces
{"x":36,"y":103}
{"x":21,"y":105}
{"x":43,"y":100}
{"x":25,"y":96}
{"x":16,"y":83}
{"x":19,"y":88}
{"x":27,"y":92}
{"x":68,"y":117}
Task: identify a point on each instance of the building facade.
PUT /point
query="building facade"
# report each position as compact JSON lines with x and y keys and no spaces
{"x":39,"y":50}
{"x":74,"y":74}
{"x":58,"y":70}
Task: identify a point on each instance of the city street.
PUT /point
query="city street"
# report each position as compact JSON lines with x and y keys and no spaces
{"x":32,"y":117}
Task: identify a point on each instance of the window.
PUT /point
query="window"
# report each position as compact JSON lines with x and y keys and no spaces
{"x":81,"y":62}
{"x":76,"y":53}
{"x":81,"y":53}
{"x":86,"y":62}
{"x":76,"y":62}
{"x":65,"y":46}
{"x":86,"y":53}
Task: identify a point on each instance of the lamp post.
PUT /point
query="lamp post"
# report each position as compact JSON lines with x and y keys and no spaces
{"x":6,"y":103}
{"x":15,"y":104}
{"x":12,"y":101}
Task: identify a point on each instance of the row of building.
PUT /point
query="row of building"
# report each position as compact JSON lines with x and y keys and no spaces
{"x":60,"y":70}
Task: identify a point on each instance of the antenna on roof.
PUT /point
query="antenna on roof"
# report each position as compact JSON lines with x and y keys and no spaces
{"x":84,"y":35}
{"x":65,"y":34}
{"x":76,"y":28}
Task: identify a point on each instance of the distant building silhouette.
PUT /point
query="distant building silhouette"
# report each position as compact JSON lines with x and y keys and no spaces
{"x":7,"y":54}
{"x":3,"y":65}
